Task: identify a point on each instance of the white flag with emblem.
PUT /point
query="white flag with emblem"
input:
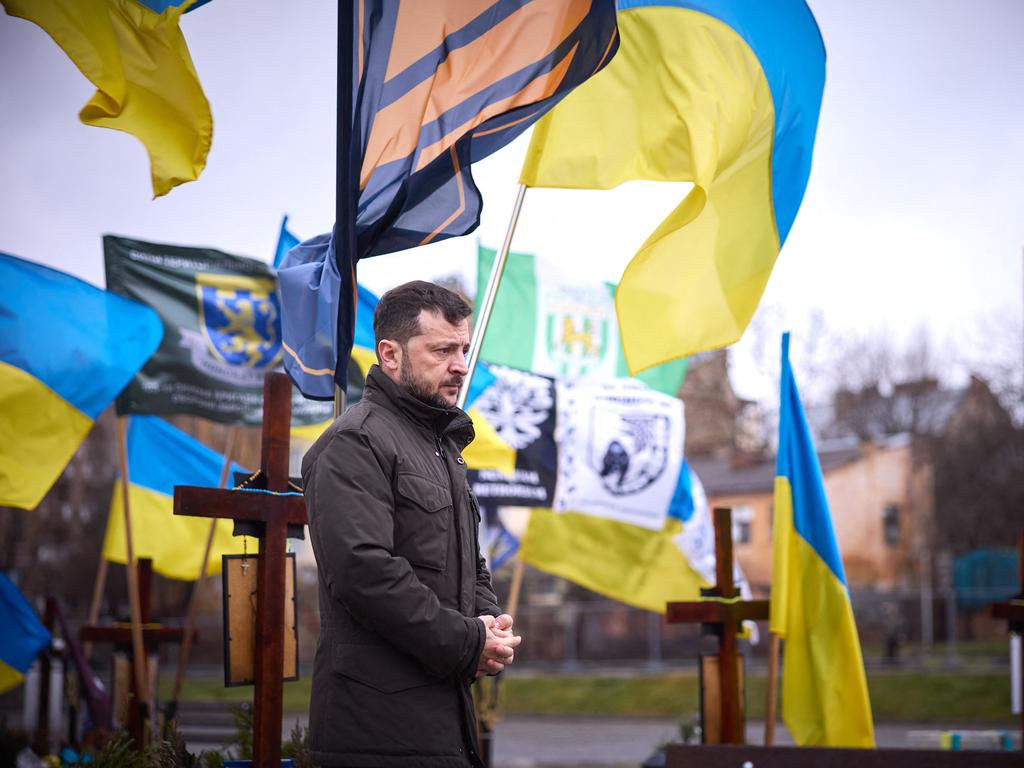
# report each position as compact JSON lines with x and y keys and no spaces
{"x":620,"y":451}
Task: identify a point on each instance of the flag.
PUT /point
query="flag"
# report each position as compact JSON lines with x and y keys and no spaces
{"x":620,"y":451}
{"x":556,"y":324}
{"x":520,"y":408}
{"x":824,"y":692}
{"x":161,"y":456}
{"x":136,"y":56}
{"x":222,"y":332}
{"x":22,"y":635}
{"x":433,"y":87}
{"x":620,"y":482}
{"x":285,"y":242}
{"x":66,"y":349}
{"x":723,"y":93}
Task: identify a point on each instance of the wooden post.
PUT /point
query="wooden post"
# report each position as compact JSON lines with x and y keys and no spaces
{"x":515,"y":588}
{"x":732,"y":721}
{"x":773,"y":687}
{"x":270,"y":579}
{"x":138,"y":647}
{"x":269,"y":501}
{"x":97,"y":599}
{"x":153,"y":635}
{"x":725,"y":613}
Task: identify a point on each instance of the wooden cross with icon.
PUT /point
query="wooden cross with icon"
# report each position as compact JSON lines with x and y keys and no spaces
{"x":269,"y":503}
{"x":722,"y":615}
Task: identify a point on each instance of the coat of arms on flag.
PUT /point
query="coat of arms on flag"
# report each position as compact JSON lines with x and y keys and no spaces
{"x":621,"y":449}
{"x":239,"y":320}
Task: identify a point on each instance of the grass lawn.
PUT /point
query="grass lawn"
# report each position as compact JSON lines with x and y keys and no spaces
{"x":966,"y":697}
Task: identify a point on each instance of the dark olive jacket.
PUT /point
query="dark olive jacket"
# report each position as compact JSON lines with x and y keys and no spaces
{"x":394,"y":528}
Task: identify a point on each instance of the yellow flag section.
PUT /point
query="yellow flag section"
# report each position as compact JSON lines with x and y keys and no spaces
{"x":824,"y":691}
{"x":146,"y":84}
{"x":626,"y":562}
{"x":160,"y":457}
{"x":723,"y":93}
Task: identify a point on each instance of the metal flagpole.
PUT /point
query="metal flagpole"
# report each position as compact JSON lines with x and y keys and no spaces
{"x":488,"y":300}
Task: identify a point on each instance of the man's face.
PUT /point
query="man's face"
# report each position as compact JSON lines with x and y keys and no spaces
{"x":433,"y":363}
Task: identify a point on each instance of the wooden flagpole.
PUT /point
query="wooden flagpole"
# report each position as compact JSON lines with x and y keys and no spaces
{"x":193,"y":603}
{"x":516,"y":587}
{"x":773,"y":686}
{"x":97,"y":598}
{"x":138,"y":647}
{"x":497,"y":270}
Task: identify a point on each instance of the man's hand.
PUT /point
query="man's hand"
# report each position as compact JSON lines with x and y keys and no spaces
{"x":499,"y":645}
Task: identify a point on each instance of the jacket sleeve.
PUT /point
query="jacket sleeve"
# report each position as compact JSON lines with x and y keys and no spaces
{"x":350,"y":505}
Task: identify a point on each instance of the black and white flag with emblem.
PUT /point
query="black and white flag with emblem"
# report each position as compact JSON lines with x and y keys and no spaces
{"x":620,"y":451}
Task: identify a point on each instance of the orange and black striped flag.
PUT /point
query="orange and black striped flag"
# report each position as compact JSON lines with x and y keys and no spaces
{"x":435,"y":86}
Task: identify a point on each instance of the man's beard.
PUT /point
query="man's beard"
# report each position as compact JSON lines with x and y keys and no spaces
{"x":411,"y":385}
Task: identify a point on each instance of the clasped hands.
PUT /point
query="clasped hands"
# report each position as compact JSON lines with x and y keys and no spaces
{"x":499,"y":645}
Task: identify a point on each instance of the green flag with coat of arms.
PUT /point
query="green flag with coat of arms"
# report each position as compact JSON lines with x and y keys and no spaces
{"x":222,"y":332}
{"x":553,"y":324}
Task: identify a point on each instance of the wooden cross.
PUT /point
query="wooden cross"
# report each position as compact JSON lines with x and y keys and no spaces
{"x":724,"y":616}
{"x":270,"y":503}
{"x":1012,"y":611}
{"x":153,"y":636}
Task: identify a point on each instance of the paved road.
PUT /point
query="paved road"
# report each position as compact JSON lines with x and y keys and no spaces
{"x":547,"y":742}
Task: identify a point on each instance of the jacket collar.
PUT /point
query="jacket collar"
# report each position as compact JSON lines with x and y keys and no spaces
{"x":451,"y":421}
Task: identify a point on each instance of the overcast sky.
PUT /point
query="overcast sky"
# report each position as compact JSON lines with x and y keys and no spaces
{"x":914,"y":215}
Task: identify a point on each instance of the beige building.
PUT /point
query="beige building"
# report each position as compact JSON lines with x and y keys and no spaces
{"x":879,"y":497}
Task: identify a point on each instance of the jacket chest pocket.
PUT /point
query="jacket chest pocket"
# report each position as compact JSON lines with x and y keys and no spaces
{"x":423,"y":514}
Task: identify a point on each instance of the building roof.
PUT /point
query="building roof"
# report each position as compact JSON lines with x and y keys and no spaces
{"x":722,"y":477}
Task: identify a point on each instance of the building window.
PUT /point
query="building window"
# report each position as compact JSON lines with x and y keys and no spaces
{"x":891,"y":525}
{"x":742,"y":517}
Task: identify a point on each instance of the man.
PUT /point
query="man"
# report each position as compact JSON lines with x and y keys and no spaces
{"x":408,"y":616}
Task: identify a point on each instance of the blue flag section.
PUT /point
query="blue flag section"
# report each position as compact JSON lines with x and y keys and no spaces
{"x":66,"y":349}
{"x":285,"y":242}
{"x":434,"y":87}
{"x":22,"y":635}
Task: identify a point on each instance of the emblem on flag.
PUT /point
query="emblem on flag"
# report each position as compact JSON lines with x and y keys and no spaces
{"x":239,"y":319}
{"x":629,"y":452}
{"x":578,"y":327}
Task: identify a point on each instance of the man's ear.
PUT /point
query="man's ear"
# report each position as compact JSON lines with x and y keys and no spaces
{"x":390,"y":355}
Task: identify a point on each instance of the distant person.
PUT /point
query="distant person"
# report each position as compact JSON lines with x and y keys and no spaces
{"x":408,"y":615}
{"x":892,"y":623}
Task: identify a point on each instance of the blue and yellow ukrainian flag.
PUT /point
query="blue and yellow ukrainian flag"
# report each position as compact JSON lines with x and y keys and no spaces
{"x":824,"y":692}
{"x":135,"y":54}
{"x":22,"y":635}
{"x":66,"y":349}
{"x":721,"y":93}
{"x":161,"y":456}
{"x":435,"y":86}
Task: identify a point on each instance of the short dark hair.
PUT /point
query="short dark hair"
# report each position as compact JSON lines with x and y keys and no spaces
{"x":397,"y":316}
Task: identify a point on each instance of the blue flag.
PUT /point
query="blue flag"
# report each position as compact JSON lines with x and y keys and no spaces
{"x":285,"y":242}
{"x":433,"y":88}
{"x":22,"y":635}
